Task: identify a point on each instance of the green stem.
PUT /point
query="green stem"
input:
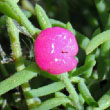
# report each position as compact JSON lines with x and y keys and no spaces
{"x":70,"y":88}
{"x":17,"y":56}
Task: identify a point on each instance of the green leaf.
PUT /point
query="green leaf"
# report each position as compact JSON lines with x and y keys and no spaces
{"x":86,"y":94}
{"x":27,"y":5}
{"x":59,"y":94}
{"x":57,"y":23}
{"x":23,"y":20}
{"x":70,"y":28}
{"x":84,"y":69}
{"x":7,"y":10}
{"x":27,"y":13}
{"x":98,"y":40}
{"x":51,"y":88}
{"x":89,"y":108}
{"x":104,"y":101}
{"x":54,"y":102}
{"x":48,"y":89}
{"x":81,"y":99}
{"x":90,"y":57}
{"x":18,"y":78}
{"x":42,"y":17}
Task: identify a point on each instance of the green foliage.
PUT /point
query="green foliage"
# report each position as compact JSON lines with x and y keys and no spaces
{"x":48,"y":89}
{"x":98,"y":40}
{"x":18,"y":78}
{"x":42,"y":17}
{"x":86,"y":94}
{"x":23,"y":85}
{"x":51,"y":103}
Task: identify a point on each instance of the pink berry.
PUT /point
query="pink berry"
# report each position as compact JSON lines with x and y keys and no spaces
{"x":55,"y":49}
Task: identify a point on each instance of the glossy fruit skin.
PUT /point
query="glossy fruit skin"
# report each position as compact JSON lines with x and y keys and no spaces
{"x":55,"y":49}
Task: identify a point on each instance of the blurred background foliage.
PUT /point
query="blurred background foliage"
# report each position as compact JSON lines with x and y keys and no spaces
{"x":81,"y":13}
